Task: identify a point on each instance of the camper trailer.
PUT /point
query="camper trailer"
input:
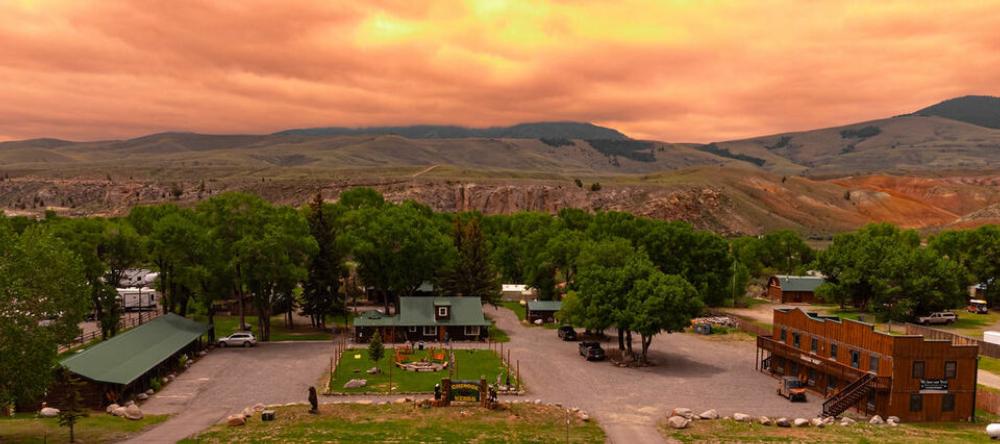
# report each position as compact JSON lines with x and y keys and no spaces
{"x":137,"y":299}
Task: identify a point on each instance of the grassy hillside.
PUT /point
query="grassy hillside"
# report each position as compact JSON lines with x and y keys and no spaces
{"x":977,"y":110}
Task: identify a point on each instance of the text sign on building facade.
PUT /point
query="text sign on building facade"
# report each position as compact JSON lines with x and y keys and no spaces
{"x":933,"y":385}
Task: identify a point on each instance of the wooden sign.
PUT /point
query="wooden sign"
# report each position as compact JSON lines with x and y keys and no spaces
{"x":933,"y":385}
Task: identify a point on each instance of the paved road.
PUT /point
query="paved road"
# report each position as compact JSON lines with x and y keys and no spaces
{"x":229,"y":379}
{"x":691,"y":371}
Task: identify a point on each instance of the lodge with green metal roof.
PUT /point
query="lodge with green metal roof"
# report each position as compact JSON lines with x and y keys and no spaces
{"x":124,"y":365}
{"x":544,"y":310}
{"x":427,"y":318}
{"x":784,"y":289}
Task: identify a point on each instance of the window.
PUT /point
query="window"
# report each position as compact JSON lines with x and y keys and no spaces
{"x":873,"y":363}
{"x":795,"y":369}
{"x":795,"y":340}
{"x":918,"y":369}
{"x":472,"y":330}
{"x":950,"y":368}
{"x":413,"y":329}
{"x":831,"y":383}
{"x":916,"y":402}
{"x":871,"y":399}
{"x":442,"y":312}
{"x":814,"y":345}
{"x":833,"y":351}
{"x":855,"y":359}
{"x":430,"y":330}
{"x":784,"y":335}
{"x":811,"y":380}
{"x":948,"y":402}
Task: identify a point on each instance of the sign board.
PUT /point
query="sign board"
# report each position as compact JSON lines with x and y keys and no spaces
{"x":933,"y":385}
{"x":465,"y":391}
{"x":811,"y":360}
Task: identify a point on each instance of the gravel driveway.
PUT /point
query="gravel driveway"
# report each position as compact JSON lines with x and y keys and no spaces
{"x":229,"y":379}
{"x":691,"y":371}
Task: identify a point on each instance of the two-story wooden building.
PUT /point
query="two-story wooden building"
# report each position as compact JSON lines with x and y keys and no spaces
{"x":784,"y":289}
{"x":426,"y":318}
{"x":852,"y":365}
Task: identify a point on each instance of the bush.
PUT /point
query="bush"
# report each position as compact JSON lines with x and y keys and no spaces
{"x":723,"y":152}
{"x":596,"y":186}
{"x":578,"y":182}
{"x":861,"y":133}
{"x":156,"y":384}
{"x":375,"y":348}
{"x":557,"y":141}
{"x":637,"y":150}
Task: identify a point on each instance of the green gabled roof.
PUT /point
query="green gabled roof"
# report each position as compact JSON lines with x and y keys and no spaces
{"x":124,"y":358}
{"x":799,"y":283}
{"x":419,"y":311}
{"x":544,"y":305}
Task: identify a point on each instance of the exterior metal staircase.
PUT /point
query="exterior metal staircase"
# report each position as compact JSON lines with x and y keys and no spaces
{"x":850,"y":395}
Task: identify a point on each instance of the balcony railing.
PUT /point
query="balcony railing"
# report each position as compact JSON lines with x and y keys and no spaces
{"x":831,"y":367}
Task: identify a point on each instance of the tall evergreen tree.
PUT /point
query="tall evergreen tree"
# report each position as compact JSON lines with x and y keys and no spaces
{"x":71,"y":408}
{"x":321,"y":295}
{"x":471,"y":274}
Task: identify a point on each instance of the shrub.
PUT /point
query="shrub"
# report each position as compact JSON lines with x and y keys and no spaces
{"x":375,"y":348}
{"x":557,"y":141}
{"x":860,"y":133}
{"x":578,"y":182}
{"x":596,"y":186}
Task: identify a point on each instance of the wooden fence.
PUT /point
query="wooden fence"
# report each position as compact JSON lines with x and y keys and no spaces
{"x":126,"y":322}
{"x":985,"y":348}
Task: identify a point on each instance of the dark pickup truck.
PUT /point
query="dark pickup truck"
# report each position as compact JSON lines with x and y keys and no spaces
{"x":592,"y":351}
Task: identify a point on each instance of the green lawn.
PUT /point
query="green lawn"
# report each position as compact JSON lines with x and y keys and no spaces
{"x":517,"y":308}
{"x":96,"y":428}
{"x":226,"y":325}
{"x":353,"y":423}
{"x":989,"y":364}
{"x":972,"y":324}
{"x":497,"y":334}
{"x":732,"y":431}
{"x":470,"y":364}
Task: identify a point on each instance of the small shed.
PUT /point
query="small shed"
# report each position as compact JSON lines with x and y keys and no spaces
{"x":515,"y":292}
{"x":544,"y":310}
{"x":124,"y":365}
{"x":784,"y":289}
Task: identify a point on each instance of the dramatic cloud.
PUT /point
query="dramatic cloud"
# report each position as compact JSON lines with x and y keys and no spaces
{"x":670,"y":70}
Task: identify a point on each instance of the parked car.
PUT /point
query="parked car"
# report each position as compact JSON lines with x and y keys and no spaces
{"x":238,"y":339}
{"x":977,"y":306}
{"x":941,"y":317}
{"x":592,"y":350}
{"x":792,"y":388}
{"x":567,"y":333}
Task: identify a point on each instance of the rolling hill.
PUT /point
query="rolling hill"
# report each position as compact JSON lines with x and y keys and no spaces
{"x":977,"y":110}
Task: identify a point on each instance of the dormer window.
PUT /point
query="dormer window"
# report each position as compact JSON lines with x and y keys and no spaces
{"x":442,"y":312}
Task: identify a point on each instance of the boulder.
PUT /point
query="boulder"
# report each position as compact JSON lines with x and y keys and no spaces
{"x":355,"y":383}
{"x":202,"y":353}
{"x":763,"y":420}
{"x":583,"y":416}
{"x":373,"y":371}
{"x":150,"y":392}
{"x":678,"y":422}
{"x":709,"y":414}
{"x":817,"y":422}
{"x":782,"y":422}
{"x":129,"y":403}
{"x":845,"y":421}
{"x":48,"y":412}
{"x":111,"y":408}
{"x":876,"y":420}
{"x":235,"y":420}
{"x":538,"y":322}
{"x":742,"y":417}
{"x":247,"y":412}
{"x":132,"y":412}
{"x":120,"y":411}
{"x":538,"y":402}
{"x":993,"y":431}
{"x":142,"y":396}
{"x":800,"y":422}
{"x":891,"y":423}
{"x":259,"y":407}
{"x":894,"y":419}
{"x":682,"y":412}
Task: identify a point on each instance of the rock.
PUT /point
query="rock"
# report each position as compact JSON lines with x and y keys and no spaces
{"x":355,"y":383}
{"x":538,"y":322}
{"x":742,"y":417}
{"x":48,"y":412}
{"x":845,"y":421}
{"x":150,"y":392}
{"x":132,"y":412}
{"x":892,"y":423}
{"x":800,"y":422}
{"x":817,"y":422}
{"x":120,"y":411}
{"x":876,"y":420}
{"x":401,"y":401}
{"x":235,"y":420}
{"x":202,"y":353}
{"x":364,"y":402}
{"x":129,"y":403}
{"x":782,"y":422}
{"x":142,"y":396}
{"x":993,"y":430}
{"x":373,"y":371}
{"x":247,"y":412}
{"x":678,"y":422}
{"x":259,"y":407}
{"x":111,"y":408}
{"x":682,"y":412}
{"x":709,"y":414}
{"x":538,"y":402}
{"x":763,"y":420}
{"x":583,"y":416}
{"x":894,"y":419}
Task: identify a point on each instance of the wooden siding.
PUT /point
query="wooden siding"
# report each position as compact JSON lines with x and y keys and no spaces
{"x":776,"y":294}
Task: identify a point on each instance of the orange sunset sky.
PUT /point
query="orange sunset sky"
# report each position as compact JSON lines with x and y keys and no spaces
{"x":667,"y":70}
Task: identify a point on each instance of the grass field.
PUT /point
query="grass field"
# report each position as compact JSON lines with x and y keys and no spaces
{"x":226,"y":325}
{"x":516,"y":307}
{"x":972,"y":324}
{"x":352,"y":423}
{"x":470,"y":364}
{"x":732,"y":431}
{"x":99,"y":427}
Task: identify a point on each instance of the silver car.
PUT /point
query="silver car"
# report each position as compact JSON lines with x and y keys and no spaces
{"x":238,"y":339}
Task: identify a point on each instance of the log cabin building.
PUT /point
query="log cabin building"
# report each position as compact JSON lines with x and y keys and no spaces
{"x":784,"y":289}
{"x":852,"y":365}
{"x":427,"y":318}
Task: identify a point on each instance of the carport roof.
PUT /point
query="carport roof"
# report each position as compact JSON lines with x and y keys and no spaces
{"x":799,"y":283}
{"x":124,"y":358}
{"x":544,"y":305}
